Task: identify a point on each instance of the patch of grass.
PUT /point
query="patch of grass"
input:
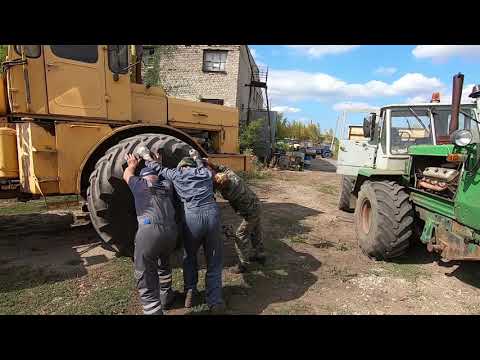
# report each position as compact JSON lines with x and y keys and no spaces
{"x":327,"y":189}
{"x":36,"y":206}
{"x":473,"y":309}
{"x":108,"y":290}
{"x":409,"y":272}
{"x":342,"y":247}
{"x":297,"y":239}
{"x":342,"y":273}
{"x":291,"y":308}
{"x":255,"y":175}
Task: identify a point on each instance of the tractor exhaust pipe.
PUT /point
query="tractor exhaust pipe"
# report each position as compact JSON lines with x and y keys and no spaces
{"x":456,"y":99}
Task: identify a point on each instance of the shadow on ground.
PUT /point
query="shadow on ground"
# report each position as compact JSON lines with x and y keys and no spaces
{"x":320,"y":164}
{"x":288,"y":273}
{"x":38,"y":249}
{"x":466,"y":271}
{"x":416,"y":255}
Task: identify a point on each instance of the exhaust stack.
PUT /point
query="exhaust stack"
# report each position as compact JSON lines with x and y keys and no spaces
{"x":456,"y":99}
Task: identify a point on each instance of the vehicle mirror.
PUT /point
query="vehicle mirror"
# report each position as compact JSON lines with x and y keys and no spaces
{"x":118,"y":59}
{"x":367,"y":127}
{"x":373,"y":118}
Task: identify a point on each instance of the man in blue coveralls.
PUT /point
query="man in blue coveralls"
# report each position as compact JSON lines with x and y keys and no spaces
{"x":156,"y":236}
{"x":193,"y":182}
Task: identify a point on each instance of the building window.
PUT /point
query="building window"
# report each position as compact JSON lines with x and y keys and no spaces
{"x":83,"y":53}
{"x":213,"y":101}
{"x":214,"y":60}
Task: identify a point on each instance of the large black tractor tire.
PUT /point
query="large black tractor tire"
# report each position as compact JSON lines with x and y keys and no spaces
{"x":109,"y":199}
{"x":346,"y":197}
{"x":384,"y":220}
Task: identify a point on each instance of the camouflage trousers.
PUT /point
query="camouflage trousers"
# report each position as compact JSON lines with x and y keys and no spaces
{"x":249,"y":238}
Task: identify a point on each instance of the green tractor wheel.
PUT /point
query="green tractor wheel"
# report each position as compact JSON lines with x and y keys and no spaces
{"x":346,"y":202}
{"x":384,"y":219}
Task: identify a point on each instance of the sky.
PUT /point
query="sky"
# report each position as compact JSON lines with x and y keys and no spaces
{"x":317,"y":82}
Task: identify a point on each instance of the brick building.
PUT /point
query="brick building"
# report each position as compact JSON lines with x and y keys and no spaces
{"x":212,"y":73}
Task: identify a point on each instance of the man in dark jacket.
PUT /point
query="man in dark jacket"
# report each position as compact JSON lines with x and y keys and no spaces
{"x":156,"y":236}
{"x":201,"y":218}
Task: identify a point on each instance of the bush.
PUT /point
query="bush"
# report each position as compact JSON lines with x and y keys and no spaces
{"x":3,"y":54}
{"x":250,"y":135}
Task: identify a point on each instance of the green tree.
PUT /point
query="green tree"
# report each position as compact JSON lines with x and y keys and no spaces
{"x":152,"y":64}
{"x":251,"y":134}
{"x":3,"y":54}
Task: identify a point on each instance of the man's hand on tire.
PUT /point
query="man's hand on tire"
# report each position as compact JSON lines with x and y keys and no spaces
{"x":132,"y":161}
{"x":194,"y":154}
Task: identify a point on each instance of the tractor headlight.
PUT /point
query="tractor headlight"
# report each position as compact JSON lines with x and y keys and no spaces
{"x":462,"y":137}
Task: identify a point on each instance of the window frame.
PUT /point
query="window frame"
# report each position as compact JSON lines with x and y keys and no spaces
{"x":69,"y":58}
{"x":110,"y":49}
{"x":218,"y":51}
{"x":212,"y":101}
{"x":391,"y":126}
{"x":15,"y":47}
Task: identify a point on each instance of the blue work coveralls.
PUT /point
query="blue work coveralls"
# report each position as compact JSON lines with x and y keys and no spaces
{"x":155,"y":240}
{"x":201,"y":226}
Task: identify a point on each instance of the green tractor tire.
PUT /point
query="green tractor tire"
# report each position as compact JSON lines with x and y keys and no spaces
{"x":384,"y":219}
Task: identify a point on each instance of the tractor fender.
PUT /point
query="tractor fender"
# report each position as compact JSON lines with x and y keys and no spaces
{"x":375,"y":176}
{"x":121,"y":133}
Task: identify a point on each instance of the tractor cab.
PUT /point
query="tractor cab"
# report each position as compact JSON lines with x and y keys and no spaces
{"x":391,"y":132}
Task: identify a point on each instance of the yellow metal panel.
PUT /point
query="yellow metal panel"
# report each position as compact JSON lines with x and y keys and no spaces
{"x":185,"y":111}
{"x":76,"y":88}
{"x":229,"y":140}
{"x":8,"y":153}
{"x":37,"y":158}
{"x":118,"y":96}
{"x":148,"y":105}
{"x":235,"y":162}
{"x":38,"y":88}
{"x":3,"y":94}
{"x":74,"y":141}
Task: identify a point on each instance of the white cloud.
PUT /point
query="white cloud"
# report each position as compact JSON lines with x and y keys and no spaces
{"x":292,"y":85}
{"x":445,"y":51}
{"x":321,"y":50}
{"x":445,"y":96}
{"x":286,"y":109}
{"x":353,"y":106}
{"x":385,"y":70}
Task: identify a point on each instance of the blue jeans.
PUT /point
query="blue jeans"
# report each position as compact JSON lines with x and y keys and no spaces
{"x":202,"y":227}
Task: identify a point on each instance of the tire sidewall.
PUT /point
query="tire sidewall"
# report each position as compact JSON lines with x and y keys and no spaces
{"x":366,"y":240}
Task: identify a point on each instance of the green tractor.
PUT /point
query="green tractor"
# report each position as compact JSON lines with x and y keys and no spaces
{"x":416,"y":176}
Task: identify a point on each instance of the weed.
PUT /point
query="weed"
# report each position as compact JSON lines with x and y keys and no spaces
{"x":327,"y":189}
{"x":38,"y":206}
{"x":410,"y":272}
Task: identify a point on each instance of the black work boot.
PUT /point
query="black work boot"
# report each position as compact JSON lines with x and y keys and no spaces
{"x":218,"y":309}
{"x":259,"y":258}
{"x":191,"y":298}
{"x":240,"y":268}
{"x":167,"y":299}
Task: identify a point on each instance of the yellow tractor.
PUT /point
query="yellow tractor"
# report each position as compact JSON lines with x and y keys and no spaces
{"x":69,"y":114}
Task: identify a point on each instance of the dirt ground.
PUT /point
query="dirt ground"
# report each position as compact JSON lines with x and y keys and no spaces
{"x":314,"y":265}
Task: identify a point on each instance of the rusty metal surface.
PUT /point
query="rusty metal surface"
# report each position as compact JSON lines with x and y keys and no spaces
{"x":454,"y":247}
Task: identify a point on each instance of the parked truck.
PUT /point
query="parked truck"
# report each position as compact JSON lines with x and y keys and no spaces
{"x":417,"y":176}
{"x":69,"y":114}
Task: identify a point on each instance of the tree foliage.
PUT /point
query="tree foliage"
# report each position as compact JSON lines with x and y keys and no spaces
{"x":299,"y":130}
{"x":3,"y":54}
{"x":152,"y":64}
{"x":250,"y":135}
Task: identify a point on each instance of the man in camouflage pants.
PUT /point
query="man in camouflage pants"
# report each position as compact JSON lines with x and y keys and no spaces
{"x":245,"y":203}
